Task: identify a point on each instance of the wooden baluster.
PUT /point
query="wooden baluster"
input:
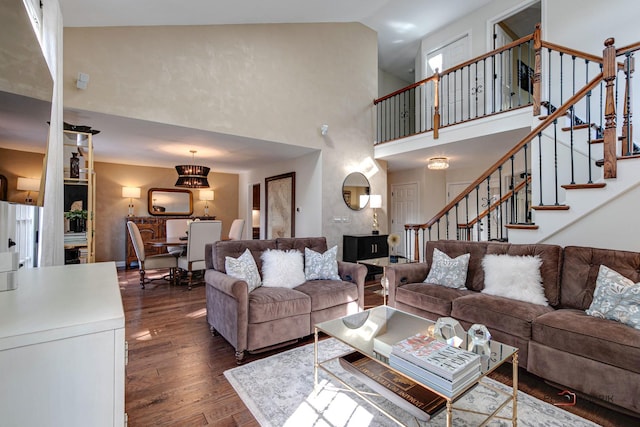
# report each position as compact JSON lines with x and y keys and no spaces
{"x":609,"y":71}
{"x":627,"y":134}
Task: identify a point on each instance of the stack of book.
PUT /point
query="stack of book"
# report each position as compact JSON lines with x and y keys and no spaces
{"x":75,"y":238}
{"x":444,"y":368}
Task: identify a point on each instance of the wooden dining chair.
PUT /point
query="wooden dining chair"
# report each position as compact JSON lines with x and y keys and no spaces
{"x":200,"y":233}
{"x":152,"y":262}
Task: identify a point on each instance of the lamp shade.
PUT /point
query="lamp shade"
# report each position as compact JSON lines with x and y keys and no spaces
{"x":28,"y":184}
{"x":192,"y":176}
{"x":131,"y":192}
{"x":438,"y":163}
{"x":206,"y":195}
{"x":375,"y":201}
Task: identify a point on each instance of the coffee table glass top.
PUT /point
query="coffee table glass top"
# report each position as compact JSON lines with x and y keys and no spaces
{"x":385,"y":261}
{"x":389,"y":325}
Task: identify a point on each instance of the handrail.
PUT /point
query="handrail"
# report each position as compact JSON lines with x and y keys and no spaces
{"x":625,"y":49}
{"x":404,"y":89}
{"x":572,"y":52}
{"x":560,"y":111}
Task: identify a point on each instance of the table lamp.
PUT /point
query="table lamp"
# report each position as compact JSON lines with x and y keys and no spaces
{"x":206,"y":195}
{"x":375,"y":202}
{"x":131,"y":193}
{"x":28,"y":185}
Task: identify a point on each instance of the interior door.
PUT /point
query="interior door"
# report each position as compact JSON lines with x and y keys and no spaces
{"x":404,"y":210}
{"x":503,"y":74}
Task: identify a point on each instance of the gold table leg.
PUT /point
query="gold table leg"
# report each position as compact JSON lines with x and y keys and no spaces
{"x":315,"y":361}
{"x":514,"y":412}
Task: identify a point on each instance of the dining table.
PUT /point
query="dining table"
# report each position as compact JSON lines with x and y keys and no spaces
{"x":168,"y":241}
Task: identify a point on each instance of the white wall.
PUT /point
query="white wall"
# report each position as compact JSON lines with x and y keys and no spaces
{"x":388,"y":83}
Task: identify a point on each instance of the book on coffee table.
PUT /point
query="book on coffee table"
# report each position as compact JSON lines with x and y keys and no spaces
{"x":403,"y":392}
{"x":436,"y":356}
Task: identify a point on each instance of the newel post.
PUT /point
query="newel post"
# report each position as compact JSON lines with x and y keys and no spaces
{"x":609,"y":75}
{"x":537,"y":69}
{"x":436,"y":104}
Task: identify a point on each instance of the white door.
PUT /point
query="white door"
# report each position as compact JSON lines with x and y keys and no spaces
{"x":452,"y":87}
{"x":466,"y":213}
{"x":503,"y":73}
{"x":404,"y":210}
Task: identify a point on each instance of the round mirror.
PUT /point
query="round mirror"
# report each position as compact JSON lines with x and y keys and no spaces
{"x":355,"y":191}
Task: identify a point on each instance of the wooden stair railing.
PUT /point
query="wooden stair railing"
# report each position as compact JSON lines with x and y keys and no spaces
{"x":547,"y":122}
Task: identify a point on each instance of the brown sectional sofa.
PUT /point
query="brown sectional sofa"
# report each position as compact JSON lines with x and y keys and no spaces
{"x":269,"y":317}
{"x":560,"y":342}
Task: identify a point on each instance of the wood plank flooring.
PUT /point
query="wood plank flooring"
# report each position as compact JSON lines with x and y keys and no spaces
{"x":175,"y":371}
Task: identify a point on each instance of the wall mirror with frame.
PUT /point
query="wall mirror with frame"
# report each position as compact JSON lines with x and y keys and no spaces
{"x":170,"y":201}
{"x":355,"y":191}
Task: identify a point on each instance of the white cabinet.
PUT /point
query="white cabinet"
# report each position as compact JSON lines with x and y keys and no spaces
{"x":62,"y":348}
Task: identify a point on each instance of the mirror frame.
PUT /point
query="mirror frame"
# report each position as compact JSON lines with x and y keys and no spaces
{"x":350,"y":196}
{"x":167,"y":213}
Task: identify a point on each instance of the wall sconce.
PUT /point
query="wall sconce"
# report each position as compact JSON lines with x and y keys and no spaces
{"x":28,"y":185}
{"x":375,"y":201}
{"x":206,"y":195}
{"x":438,"y":163}
{"x":131,"y":193}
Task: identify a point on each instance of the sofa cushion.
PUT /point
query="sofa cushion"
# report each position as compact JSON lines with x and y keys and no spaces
{"x":550,"y":269}
{"x":580,"y":270}
{"x":282,"y":268}
{"x":244,"y":268}
{"x":448,"y":271}
{"x":318,"y":244}
{"x":455,"y":248}
{"x":515,"y":277}
{"x":575,"y":332}
{"x":328,"y":293}
{"x":321,"y":265}
{"x":266,"y":304}
{"x":429,"y":297}
{"x":616,"y":298}
{"x":506,"y":315}
{"x":234,"y":248}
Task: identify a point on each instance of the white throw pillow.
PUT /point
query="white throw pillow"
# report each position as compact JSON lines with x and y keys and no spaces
{"x":282,"y":269}
{"x":448,"y":272}
{"x":319,"y":266}
{"x":515,"y":277}
{"x":244,"y":268}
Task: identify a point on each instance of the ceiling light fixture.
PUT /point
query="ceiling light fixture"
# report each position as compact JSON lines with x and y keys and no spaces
{"x":438,"y":163}
{"x":192,"y":176}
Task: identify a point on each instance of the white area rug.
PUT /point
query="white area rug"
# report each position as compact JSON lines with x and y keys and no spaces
{"x":278,"y":391}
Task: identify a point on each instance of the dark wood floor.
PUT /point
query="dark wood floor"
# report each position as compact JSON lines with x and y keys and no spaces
{"x":175,"y":371}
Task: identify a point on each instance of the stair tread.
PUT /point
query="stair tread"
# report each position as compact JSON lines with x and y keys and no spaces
{"x":582,"y":126}
{"x":551,"y":207}
{"x":522,"y":226}
{"x":583,"y":186}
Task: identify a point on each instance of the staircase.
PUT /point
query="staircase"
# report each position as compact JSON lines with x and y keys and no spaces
{"x":574,"y":178}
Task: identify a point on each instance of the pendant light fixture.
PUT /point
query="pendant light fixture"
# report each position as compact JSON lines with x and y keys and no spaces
{"x":192,"y":176}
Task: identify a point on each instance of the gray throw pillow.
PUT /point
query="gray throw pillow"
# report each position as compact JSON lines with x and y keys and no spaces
{"x":244,"y":268}
{"x":319,"y":266}
{"x":616,"y":298}
{"x":448,"y":272}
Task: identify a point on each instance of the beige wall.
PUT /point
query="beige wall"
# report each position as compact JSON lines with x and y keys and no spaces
{"x":14,"y":164}
{"x":111,"y":208}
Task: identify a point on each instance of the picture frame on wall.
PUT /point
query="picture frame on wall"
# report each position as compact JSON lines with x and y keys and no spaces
{"x":280,"y":196}
{"x":525,"y":77}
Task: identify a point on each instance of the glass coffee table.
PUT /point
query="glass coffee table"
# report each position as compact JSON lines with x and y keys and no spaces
{"x":385,"y":262}
{"x":368,"y":331}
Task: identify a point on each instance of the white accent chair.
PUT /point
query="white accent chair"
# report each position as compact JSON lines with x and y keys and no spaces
{"x":235,"y":233}
{"x":200,"y":234}
{"x":176,"y":228}
{"x":153,"y":262}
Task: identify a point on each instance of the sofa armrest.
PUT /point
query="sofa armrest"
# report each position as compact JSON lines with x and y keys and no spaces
{"x":354,"y":273}
{"x":235,"y":288}
{"x":399,"y":274}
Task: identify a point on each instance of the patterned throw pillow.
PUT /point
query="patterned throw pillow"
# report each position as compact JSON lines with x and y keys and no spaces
{"x":244,"y":268}
{"x":448,"y":272}
{"x":616,"y":298}
{"x":282,"y":269}
{"x":319,"y":266}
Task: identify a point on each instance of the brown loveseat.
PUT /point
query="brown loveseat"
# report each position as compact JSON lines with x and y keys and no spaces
{"x":559,"y":342}
{"x":273,"y":316}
